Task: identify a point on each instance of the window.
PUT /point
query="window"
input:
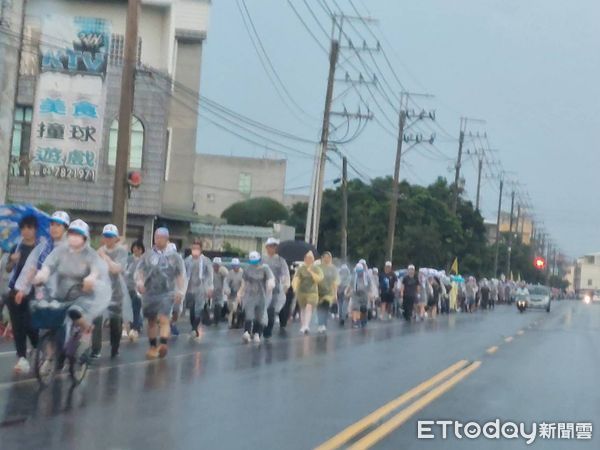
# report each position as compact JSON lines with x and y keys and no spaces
{"x":19,"y":150}
{"x":245,"y":185}
{"x":589,"y":282}
{"x":117,"y":49}
{"x":210,"y":197}
{"x":136,"y":150}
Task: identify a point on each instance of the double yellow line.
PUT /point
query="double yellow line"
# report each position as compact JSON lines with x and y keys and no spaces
{"x":456,"y":372}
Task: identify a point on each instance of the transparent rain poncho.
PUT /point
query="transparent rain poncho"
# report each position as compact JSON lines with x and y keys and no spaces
{"x":34,"y":262}
{"x":233,"y":283}
{"x":281,"y":274}
{"x":200,"y":278}
{"x":257,"y":287}
{"x":67,"y":268}
{"x":163,"y":275}
{"x":359,"y":290}
{"x":329,"y":283}
{"x":306,"y":284}
{"x":120,"y":303}
{"x":220,"y":274}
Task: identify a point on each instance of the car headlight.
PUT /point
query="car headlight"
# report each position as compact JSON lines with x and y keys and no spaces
{"x":587,"y":299}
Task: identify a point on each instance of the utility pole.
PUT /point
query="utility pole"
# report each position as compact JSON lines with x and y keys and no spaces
{"x":498,"y":229}
{"x":518,"y":222}
{"x":314,"y":213}
{"x":344,"y":232}
{"x":395,"y":185}
{"x":479,"y":170}
{"x":510,"y":232}
{"x":461,"y":141}
{"x":121,"y":187}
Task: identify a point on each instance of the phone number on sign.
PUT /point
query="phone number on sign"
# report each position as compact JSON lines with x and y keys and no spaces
{"x":64,"y":172}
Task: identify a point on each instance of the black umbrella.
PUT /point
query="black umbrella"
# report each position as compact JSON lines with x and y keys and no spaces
{"x":293,"y":251}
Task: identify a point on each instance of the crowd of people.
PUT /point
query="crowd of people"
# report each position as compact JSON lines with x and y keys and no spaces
{"x":119,"y":288}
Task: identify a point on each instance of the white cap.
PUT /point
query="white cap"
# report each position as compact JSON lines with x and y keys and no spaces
{"x":80,"y":227}
{"x":375,"y":270}
{"x":388,"y":264}
{"x":110,"y":231}
{"x":359,"y":267}
{"x":61,"y":217}
{"x":254,"y":256}
{"x":363,"y":261}
{"x":217,"y":260}
{"x":411,"y":267}
{"x":272,"y":241}
{"x":344,"y":266}
{"x":235,"y":262}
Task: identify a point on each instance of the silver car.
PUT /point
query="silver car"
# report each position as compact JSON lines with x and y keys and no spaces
{"x":539,"y":297}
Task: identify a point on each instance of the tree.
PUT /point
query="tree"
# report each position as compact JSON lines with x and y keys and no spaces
{"x":297,"y":218}
{"x":260,"y":211}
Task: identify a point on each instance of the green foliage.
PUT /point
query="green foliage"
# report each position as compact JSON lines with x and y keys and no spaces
{"x":427,"y":233}
{"x":228,"y":248}
{"x":260,"y":211}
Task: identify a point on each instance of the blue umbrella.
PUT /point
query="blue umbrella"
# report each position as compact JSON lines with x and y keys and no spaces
{"x":11,"y":215}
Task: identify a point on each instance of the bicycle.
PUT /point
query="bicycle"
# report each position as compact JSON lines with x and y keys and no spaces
{"x":60,"y":341}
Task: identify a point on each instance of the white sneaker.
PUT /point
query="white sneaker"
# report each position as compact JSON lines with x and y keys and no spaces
{"x":322,"y":329}
{"x":198,"y":334}
{"x":302,"y":330}
{"x":246,"y":337}
{"x":22,"y":366}
{"x":133,"y":336}
{"x":124,"y":333}
{"x":256,"y":339}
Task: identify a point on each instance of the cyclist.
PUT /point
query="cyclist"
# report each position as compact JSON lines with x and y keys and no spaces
{"x":78,"y":264}
{"x":161,"y":280}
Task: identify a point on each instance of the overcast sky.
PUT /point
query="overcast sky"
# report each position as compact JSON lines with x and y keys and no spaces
{"x":530,"y":68}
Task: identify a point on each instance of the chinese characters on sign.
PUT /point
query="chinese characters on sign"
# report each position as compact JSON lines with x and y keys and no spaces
{"x":70,"y":97}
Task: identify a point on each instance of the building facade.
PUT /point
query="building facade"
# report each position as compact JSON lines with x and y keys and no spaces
{"x":586,"y":273}
{"x":221,"y":181}
{"x":64,"y":121}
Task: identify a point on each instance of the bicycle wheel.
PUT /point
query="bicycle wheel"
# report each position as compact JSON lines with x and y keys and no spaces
{"x":78,"y":367}
{"x":46,"y":358}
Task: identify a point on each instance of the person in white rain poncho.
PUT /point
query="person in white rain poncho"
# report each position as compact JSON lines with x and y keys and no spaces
{"x":161,"y":280}
{"x":281,"y":272}
{"x":233,"y":283}
{"x":77,"y":267}
{"x":345,"y":280}
{"x":220,"y":274}
{"x":119,"y":311}
{"x":359,"y":291}
{"x":257,"y":286}
{"x":59,"y":222}
{"x":200,"y":287}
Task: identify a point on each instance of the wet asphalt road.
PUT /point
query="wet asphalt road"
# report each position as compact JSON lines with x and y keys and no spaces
{"x":297,"y":392}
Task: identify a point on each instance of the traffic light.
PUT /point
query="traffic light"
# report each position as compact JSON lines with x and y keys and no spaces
{"x":539,"y":263}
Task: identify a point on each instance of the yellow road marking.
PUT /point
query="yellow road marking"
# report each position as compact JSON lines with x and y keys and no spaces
{"x":385,"y":429}
{"x":508,"y":339}
{"x":345,"y":435}
{"x":520,"y":332}
{"x":492,"y":350}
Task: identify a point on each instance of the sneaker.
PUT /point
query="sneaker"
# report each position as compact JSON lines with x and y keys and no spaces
{"x":193,"y":335}
{"x":256,"y":339}
{"x":22,"y":366}
{"x":152,"y":353}
{"x":95,"y":355}
{"x":246,"y":337}
{"x":302,"y":330}
{"x":114,"y":353}
{"x":162,"y":350}
{"x":133,"y":336}
{"x":174,"y":330}
{"x":321,"y":329}
{"x":124,"y":333}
